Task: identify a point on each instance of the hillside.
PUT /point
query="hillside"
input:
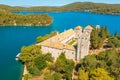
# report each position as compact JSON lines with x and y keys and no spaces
{"x":77,"y":6}
{"x":92,"y":7}
{"x":34,"y":8}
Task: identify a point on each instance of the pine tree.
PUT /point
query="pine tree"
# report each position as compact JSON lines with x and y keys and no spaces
{"x":103,"y":33}
{"x":82,"y":75}
{"x":107,"y":32}
{"x":116,"y":34}
{"x":94,"y":39}
{"x":100,"y":74}
{"x":60,"y":63}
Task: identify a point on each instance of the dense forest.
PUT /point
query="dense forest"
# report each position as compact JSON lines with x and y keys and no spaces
{"x":101,"y":38}
{"x":77,"y":6}
{"x":9,"y":19}
{"x":103,"y":66}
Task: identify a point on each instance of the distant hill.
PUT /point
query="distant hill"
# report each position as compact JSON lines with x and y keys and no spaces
{"x":92,"y":7}
{"x":34,"y":8}
{"x":77,"y":6}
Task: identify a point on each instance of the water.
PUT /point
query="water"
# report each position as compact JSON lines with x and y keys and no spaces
{"x":66,"y":20}
{"x":13,"y":38}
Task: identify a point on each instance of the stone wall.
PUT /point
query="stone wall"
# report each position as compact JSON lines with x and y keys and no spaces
{"x":70,"y":54}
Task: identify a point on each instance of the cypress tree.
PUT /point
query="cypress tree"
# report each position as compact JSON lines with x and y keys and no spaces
{"x":94,"y":39}
{"x":116,"y":34}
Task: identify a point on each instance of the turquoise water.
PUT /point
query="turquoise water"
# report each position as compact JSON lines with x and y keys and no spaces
{"x":13,"y":38}
{"x":66,"y":20}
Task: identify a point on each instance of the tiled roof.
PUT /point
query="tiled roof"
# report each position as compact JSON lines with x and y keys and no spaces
{"x":57,"y":45}
{"x":55,"y":41}
{"x":62,"y":36}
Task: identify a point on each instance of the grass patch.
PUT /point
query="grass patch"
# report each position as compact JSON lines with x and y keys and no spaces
{"x":71,"y":42}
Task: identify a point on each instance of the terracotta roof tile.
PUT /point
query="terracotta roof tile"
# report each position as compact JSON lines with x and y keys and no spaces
{"x":55,"y":41}
{"x":57,"y":45}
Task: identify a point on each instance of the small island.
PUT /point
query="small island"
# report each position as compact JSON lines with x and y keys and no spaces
{"x":9,"y":19}
{"x":92,"y":53}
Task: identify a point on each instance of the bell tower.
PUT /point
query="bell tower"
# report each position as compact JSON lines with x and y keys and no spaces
{"x":78,"y":31}
{"x":83,"y":41}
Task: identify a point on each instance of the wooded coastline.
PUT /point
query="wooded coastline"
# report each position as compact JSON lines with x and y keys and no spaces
{"x":101,"y":8}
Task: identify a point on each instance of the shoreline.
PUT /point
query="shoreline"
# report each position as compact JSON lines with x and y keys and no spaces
{"x":117,"y":14}
{"x":47,"y":25}
{"x":24,"y":71}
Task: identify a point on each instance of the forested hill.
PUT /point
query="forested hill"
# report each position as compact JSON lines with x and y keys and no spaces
{"x":93,"y":7}
{"x":77,"y":6}
{"x":34,"y":8}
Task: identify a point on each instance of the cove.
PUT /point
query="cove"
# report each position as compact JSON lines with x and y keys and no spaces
{"x":12,"y":38}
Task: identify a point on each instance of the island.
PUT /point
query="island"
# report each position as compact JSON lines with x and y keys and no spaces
{"x":89,"y":53}
{"x":9,"y":19}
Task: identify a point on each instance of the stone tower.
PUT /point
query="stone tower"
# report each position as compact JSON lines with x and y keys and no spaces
{"x":83,"y":42}
{"x":78,"y":31}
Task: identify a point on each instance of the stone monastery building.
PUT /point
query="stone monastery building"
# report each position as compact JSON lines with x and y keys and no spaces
{"x":59,"y":43}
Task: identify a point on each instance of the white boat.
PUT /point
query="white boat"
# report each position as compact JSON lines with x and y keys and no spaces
{"x":17,"y":56}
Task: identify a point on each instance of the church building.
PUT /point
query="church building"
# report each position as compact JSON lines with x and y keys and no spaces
{"x":60,"y":43}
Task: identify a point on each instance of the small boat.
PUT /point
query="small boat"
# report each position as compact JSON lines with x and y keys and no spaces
{"x":17,"y":56}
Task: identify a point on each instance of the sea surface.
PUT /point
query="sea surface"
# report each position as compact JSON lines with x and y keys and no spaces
{"x":13,"y":38}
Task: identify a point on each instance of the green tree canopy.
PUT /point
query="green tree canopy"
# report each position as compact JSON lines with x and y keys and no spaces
{"x":29,"y":53}
{"x":47,"y":36}
{"x":64,"y":66}
{"x":94,"y":38}
{"x":82,"y":75}
{"x":100,"y":74}
{"x":60,"y":63}
{"x":113,"y":42}
{"x":107,"y":60}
